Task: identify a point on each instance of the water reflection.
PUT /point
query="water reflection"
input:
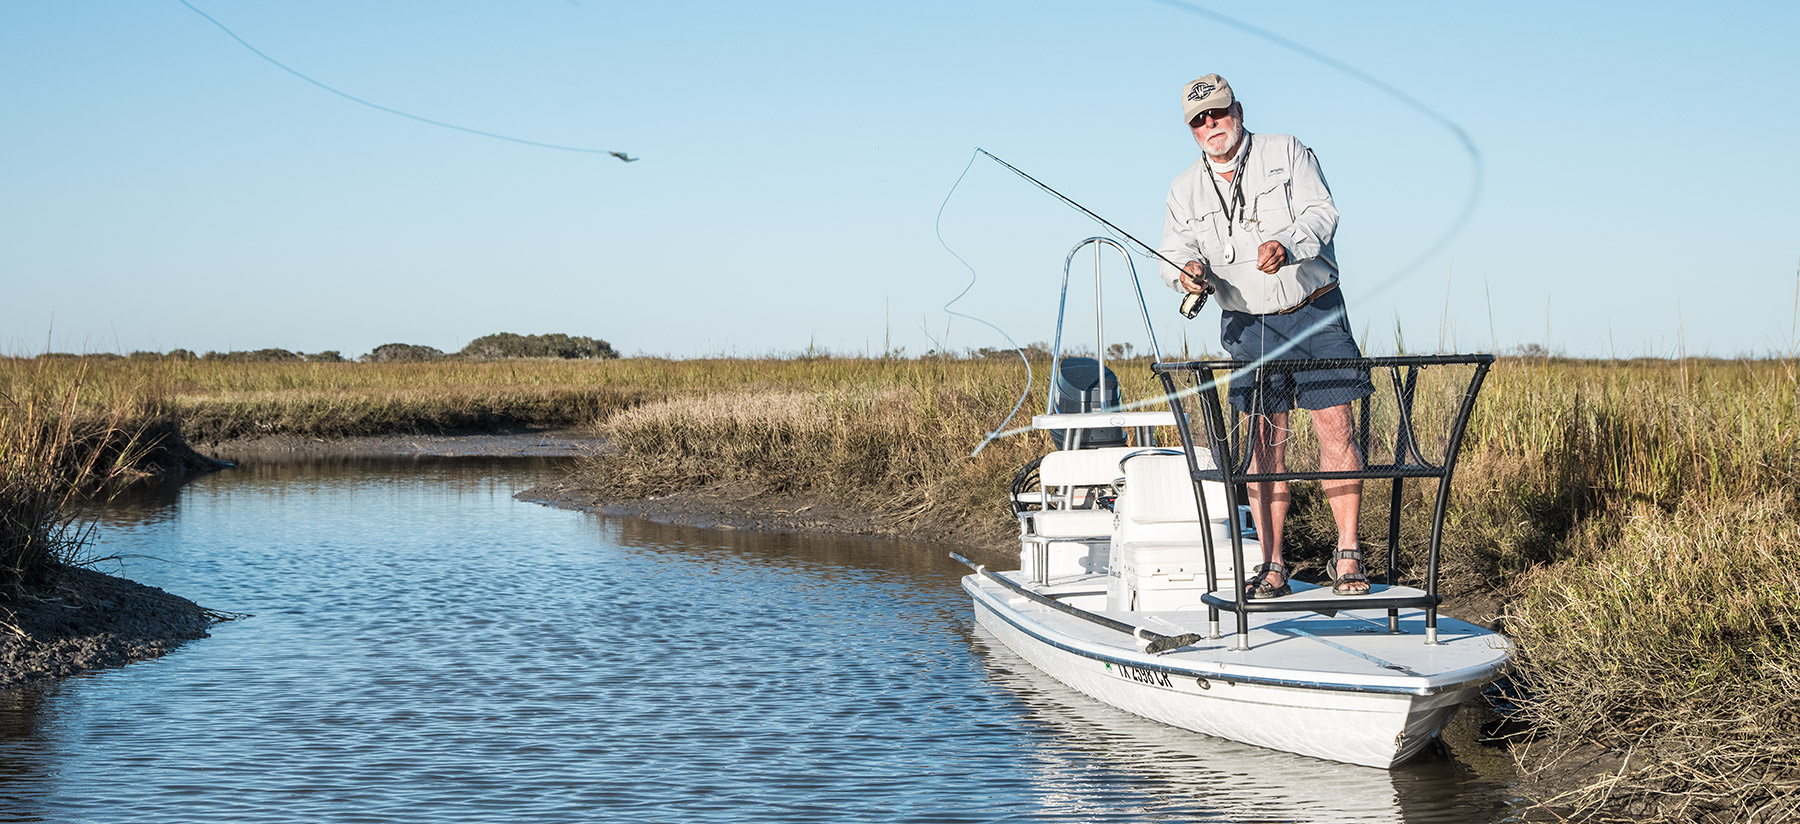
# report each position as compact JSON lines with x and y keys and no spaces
{"x":1183,"y":774}
{"x":427,"y":648}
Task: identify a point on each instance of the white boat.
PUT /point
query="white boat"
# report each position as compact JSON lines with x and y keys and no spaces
{"x":1177,"y":775}
{"x":1131,"y":557}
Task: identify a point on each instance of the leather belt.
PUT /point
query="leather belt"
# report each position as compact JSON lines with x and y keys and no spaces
{"x":1317,"y":293}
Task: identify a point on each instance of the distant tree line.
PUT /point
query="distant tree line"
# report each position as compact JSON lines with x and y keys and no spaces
{"x":501,"y":345}
{"x":257,"y":356}
{"x":486,"y":347}
{"x":509,"y":345}
{"x":392,"y":352}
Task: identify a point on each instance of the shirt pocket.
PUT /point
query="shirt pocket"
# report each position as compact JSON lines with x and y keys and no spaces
{"x":1208,"y":233}
{"x":1274,"y":209}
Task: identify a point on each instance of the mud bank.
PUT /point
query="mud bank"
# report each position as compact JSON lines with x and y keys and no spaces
{"x":747,"y":507}
{"x":79,"y":620}
{"x":522,"y":442}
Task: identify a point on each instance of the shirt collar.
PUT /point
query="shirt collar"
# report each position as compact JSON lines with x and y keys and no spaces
{"x":1237,"y":158}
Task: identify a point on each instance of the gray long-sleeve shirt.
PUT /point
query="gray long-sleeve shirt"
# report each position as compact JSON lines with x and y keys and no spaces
{"x":1285,"y":199}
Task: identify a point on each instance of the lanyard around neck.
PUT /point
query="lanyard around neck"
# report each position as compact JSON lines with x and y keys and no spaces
{"x":1236,"y":204}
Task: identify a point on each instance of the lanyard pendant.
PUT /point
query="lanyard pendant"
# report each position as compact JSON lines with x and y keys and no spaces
{"x":1230,"y":253}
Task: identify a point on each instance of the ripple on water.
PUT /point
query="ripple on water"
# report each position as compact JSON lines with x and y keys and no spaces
{"x":427,"y":649}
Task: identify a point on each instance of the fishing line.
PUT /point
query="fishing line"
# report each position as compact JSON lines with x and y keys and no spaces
{"x":1078,"y":207}
{"x":1443,"y":240}
{"x":938,"y":226}
{"x":380,"y":108}
{"x":1001,"y":431}
{"x":1476,"y":166}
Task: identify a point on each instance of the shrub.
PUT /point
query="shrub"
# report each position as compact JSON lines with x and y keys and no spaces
{"x":509,"y":345}
{"x":391,"y":352}
{"x":257,"y":356}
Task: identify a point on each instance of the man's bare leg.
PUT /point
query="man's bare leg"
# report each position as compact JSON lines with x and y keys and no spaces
{"x":1269,"y":499}
{"x":1338,"y":453}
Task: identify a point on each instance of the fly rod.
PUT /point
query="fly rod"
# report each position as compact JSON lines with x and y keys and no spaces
{"x":1190,"y":305}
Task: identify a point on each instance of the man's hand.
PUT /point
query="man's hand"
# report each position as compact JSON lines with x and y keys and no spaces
{"x":1270,"y":256}
{"x":1193,"y":276}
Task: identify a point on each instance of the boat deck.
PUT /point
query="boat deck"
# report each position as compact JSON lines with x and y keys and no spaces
{"x":1350,"y":650}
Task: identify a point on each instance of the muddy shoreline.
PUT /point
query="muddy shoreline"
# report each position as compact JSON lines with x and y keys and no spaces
{"x":520,"y":442}
{"x":747,"y":507}
{"x":78,"y":620}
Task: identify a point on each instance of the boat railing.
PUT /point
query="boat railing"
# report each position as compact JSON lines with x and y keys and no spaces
{"x":1393,"y":418}
{"x":1099,"y":244}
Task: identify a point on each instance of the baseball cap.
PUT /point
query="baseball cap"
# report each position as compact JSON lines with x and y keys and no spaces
{"x":1208,"y":92}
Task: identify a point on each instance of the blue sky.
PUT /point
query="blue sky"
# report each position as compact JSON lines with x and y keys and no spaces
{"x":165,"y":187}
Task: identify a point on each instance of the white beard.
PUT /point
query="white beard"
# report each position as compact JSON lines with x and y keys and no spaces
{"x":1231,"y":147}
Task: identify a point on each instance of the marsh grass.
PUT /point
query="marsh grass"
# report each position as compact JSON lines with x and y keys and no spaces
{"x":1640,"y":518}
{"x":1655,"y":569}
{"x":890,"y":437}
{"x":1672,"y":638}
{"x":54,"y":446}
{"x":70,"y":426}
{"x":216,"y":400}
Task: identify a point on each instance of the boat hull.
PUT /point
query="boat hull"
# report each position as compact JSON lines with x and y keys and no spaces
{"x":1356,"y":726}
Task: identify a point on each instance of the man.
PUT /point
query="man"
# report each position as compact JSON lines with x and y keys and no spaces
{"x":1253,"y":221}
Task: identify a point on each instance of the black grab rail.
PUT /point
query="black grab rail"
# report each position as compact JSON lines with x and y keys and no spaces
{"x":1394,"y":437}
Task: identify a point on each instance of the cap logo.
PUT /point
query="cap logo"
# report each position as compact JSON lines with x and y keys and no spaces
{"x":1201,"y":90}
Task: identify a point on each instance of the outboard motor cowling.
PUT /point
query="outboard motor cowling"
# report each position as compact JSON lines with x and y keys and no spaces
{"x":1077,"y":389}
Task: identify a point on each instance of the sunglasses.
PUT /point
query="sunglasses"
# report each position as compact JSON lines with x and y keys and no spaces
{"x":1209,"y":117}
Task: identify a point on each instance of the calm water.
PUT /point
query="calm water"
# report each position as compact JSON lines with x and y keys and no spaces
{"x":424,"y":648}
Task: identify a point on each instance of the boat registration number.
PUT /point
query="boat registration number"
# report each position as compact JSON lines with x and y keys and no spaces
{"x":1140,"y":675}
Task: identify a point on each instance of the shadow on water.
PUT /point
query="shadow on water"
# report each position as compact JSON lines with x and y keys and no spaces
{"x":821,"y":552}
{"x":22,"y":765}
{"x":428,"y":649}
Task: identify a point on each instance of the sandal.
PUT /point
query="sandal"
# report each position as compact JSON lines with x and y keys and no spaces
{"x":1345,"y":584}
{"x":1258,"y":585}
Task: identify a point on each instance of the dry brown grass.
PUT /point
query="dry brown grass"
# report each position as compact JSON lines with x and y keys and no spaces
{"x":1674,"y":638}
{"x":889,"y":437}
{"x":1641,"y":516}
{"x":217,"y":400}
{"x":55,"y":446}
{"x":1646,"y":519}
{"x":70,"y":425}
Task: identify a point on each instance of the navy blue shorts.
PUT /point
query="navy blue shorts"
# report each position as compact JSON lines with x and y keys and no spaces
{"x":1249,"y":337}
